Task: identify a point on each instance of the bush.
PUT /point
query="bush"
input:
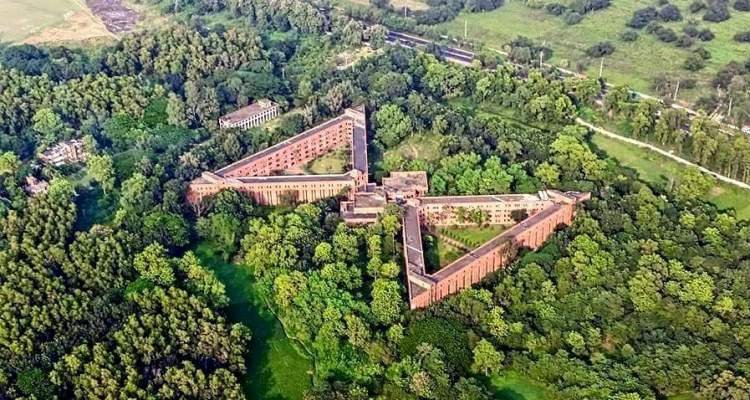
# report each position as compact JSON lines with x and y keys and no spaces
{"x":666,"y":35}
{"x":483,"y":5}
{"x":694,"y":62}
{"x":600,"y":49}
{"x":742,"y":5}
{"x":742,"y":37}
{"x":684,"y":41}
{"x":643,"y":17}
{"x":555,"y":9}
{"x":691,"y":30}
{"x":703,"y":53}
{"x":696,"y":6}
{"x":572,"y":18}
{"x":688,"y":83}
{"x":670,"y":12}
{"x":718,"y":11}
{"x":654,"y":27}
{"x":706,"y":35}
{"x":629,"y":36}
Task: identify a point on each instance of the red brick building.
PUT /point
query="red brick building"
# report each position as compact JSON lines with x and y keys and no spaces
{"x":261,"y":175}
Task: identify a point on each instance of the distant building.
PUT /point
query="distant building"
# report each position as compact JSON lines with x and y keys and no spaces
{"x":255,"y":114}
{"x":35,"y":186}
{"x":62,"y":153}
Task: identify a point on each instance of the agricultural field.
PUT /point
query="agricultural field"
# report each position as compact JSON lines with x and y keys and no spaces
{"x":633,"y":63}
{"x":39,"y":21}
{"x":657,"y":169}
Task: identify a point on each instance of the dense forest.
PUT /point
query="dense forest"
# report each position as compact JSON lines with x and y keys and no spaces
{"x":644,"y":297}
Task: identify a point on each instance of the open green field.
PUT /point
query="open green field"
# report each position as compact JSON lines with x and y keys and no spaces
{"x":657,"y":169}
{"x":633,"y":63}
{"x":275,"y":369}
{"x":41,"y":21}
{"x":510,"y":385}
{"x":425,"y":147}
{"x":472,"y":236}
{"x":335,"y":162}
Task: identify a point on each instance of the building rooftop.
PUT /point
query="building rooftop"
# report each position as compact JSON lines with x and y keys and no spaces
{"x":279,"y":146}
{"x":248,"y":111}
{"x":511,"y":198}
{"x":406,"y":181}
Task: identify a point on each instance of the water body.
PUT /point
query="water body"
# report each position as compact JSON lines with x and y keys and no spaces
{"x":275,"y":369}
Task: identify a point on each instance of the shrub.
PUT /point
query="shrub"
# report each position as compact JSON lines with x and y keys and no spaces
{"x":643,"y":17}
{"x":694,"y":62}
{"x":718,"y":11}
{"x":666,"y":35}
{"x":703,"y":53}
{"x":684,"y":41}
{"x":742,"y":37}
{"x":629,"y":36}
{"x":483,"y":5}
{"x":600,"y":49}
{"x":555,"y":8}
{"x":654,"y":27}
{"x":688,"y":83}
{"x":706,"y":35}
{"x":742,"y":5}
{"x":572,"y":18}
{"x":670,"y":12}
{"x":691,"y":30}
{"x":696,"y":6}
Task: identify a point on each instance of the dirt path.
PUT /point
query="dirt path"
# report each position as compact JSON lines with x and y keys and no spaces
{"x":662,"y":152}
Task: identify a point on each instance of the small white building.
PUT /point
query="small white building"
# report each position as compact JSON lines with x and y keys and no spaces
{"x":255,"y":114}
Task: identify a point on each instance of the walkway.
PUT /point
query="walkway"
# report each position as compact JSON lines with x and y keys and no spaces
{"x":662,"y":152}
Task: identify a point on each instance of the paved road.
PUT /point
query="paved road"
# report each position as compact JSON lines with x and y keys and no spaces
{"x":662,"y":152}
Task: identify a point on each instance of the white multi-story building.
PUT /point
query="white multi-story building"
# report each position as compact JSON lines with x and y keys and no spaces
{"x":250,"y":116}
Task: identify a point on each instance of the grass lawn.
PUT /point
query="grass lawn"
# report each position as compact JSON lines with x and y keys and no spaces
{"x":275,"y":369}
{"x":39,"y":21}
{"x":472,"y":236}
{"x":400,"y":4}
{"x":633,"y":63}
{"x":335,"y":162}
{"x":510,"y":385}
{"x":423,"y":146}
{"x":438,"y":253}
{"x":657,"y":169}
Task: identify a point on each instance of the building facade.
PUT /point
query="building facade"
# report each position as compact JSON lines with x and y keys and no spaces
{"x":255,"y":114}
{"x":263,"y":175}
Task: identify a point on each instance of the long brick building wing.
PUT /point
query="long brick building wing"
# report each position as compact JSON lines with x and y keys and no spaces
{"x":261,"y":176}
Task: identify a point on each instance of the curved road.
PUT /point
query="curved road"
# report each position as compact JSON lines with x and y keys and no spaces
{"x":662,"y":152}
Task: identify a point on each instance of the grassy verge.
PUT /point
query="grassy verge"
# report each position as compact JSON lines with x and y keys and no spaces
{"x":659,"y":170}
{"x":275,"y":369}
{"x":510,"y":385}
{"x":423,"y":146}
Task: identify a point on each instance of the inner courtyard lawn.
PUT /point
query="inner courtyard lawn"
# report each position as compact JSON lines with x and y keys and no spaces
{"x":472,"y":236}
{"x":335,"y":162}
